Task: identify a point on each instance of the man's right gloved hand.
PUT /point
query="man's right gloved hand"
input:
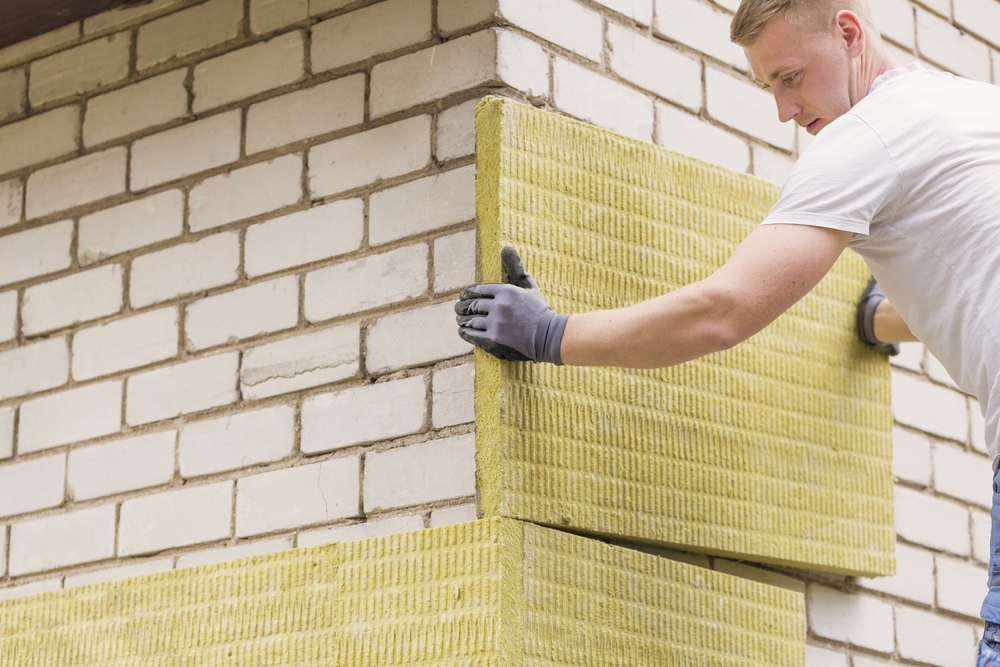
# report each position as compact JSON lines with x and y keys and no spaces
{"x":512,"y":322}
{"x":869,"y":302}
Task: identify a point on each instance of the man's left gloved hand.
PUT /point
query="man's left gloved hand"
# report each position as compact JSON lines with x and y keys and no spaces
{"x":511,"y":321}
{"x":865,"y":317}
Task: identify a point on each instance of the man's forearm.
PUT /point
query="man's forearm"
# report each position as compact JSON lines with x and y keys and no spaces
{"x":890,"y":327}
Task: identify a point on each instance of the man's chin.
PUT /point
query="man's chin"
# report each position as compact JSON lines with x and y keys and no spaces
{"x":814,"y":127}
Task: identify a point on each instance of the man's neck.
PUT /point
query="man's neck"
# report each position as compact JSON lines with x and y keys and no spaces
{"x":876,"y":61}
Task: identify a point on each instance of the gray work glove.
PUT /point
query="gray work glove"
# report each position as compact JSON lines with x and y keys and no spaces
{"x":870,"y":300}
{"x":512,"y":322}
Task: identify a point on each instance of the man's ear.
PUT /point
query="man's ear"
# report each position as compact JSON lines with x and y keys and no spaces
{"x":850,"y":29}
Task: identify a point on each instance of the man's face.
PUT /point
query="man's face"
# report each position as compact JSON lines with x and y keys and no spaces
{"x":808,"y":73}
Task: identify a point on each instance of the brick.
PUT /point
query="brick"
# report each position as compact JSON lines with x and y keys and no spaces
{"x":761,"y":575}
{"x":977,"y":427}
{"x":150,"y":566}
{"x":860,"y":620}
{"x":35,"y":367}
{"x":123,"y":465}
{"x":821,"y":657}
{"x":236,"y":441}
{"x":932,"y":522}
{"x":423,"y":205}
{"x":937,"y":640}
{"x":910,"y":357}
{"x":363,"y":414}
{"x":640,"y":11}
{"x":995,"y":55}
{"x":361,"y":531}
{"x":942,"y":7}
{"x":929,"y":407}
{"x":127,"y":343}
{"x":454,"y":261}
{"x":307,"y":360}
{"x":191,"y":515}
{"x":745,"y":107}
{"x":452,"y":396}
{"x":981,"y":528}
{"x":387,"y":151}
{"x":30,"y":48}
{"x":522,"y":64}
{"x":961,"y":586}
{"x":6,"y":434}
{"x":80,"y":69}
{"x":683,"y":133}
{"x":771,"y":165}
{"x":188,"y":31}
{"x":700,"y":26}
{"x":455,"y":15}
{"x":895,"y":20}
{"x":911,"y":457}
{"x":413,"y":338}
{"x":138,"y":107}
{"x":77,"y":182}
{"x":39,"y":138}
{"x":381,"y":28}
{"x":981,"y":17}
{"x":8,"y":316}
{"x":312,"y":112}
{"x":245,"y":192}
{"x":129,"y":226}
{"x":58,"y":541}
{"x":652,"y":66}
{"x":914,"y":578}
{"x":565,"y":23}
{"x":70,"y":416}
{"x":951,"y":48}
{"x":184,"y":388}
{"x":249,"y":71}
{"x":244,"y":550}
{"x":450,"y":515}
{"x":304,"y":237}
{"x":366,"y":283}
{"x":243,"y":313}
{"x":421,"y":473}
{"x":121,"y":16}
{"x":32,"y":485}
{"x":963,"y":475}
{"x":860,"y":661}
{"x":456,"y":131}
{"x":591,"y":97}
{"x":270,"y":15}
{"x":33,"y":588}
{"x":937,"y":372}
{"x":13,"y":98}
{"x":185,"y":150}
{"x":76,"y":298}
{"x":183,"y":269}
{"x":11,"y":196}
{"x":298,"y":496}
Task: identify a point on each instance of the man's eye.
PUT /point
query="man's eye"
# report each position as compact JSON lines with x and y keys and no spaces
{"x":789,"y":80}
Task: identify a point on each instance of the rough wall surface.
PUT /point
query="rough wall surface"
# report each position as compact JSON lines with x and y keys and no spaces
{"x":106,"y":165}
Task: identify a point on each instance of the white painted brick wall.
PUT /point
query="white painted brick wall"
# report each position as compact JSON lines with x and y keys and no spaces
{"x":522,"y":64}
{"x":895,"y":20}
{"x":298,"y":496}
{"x":146,"y":104}
{"x":929,"y":407}
{"x":961,"y":586}
{"x":454,"y":261}
{"x":80,"y":69}
{"x":413,"y":338}
{"x":11,"y":198}
{"x":359,"y":35}
{"x":363,"y":414}
{"x":951,"y":48}
{"x":126,"y":15}
{"x":963,"y":475}
{"x":211,"y":262}
{"x":39,"y":138}
{"x":422,"y":205}
{"x":143,"y":567}
{"x":566,"y":23}
{"x":139,"y":462}
{"x":911,"y":456}
{"x":180,"y":389}
{"x":34,"y":367}
{"x":126,"y":343}
{"x":133,"y":225}
{"x":652,"y":66}
{"x":307,"y":360}
{"x":32,"y":485}
{"x":455,"y":15}
{"x":269,"y":15}
{"x":456,"y":132}
{"x":74,"y":415}
{"x":981,"y":17}
{"x":248,"y":71}
{"x":860,"y":620}
{"x":771,"y":165}
{"x":421,"y":473}
{"x":76,"y":298}
{"x":934,"y":639}
{"x":185,"y":150}
{"x":745,"y":107}
{"x":936,"y":371}
{"x":361,"y":531}
{"x":304,"y":237}
{"x":64,"y":539}
{"x":246,"y":192}
{"x":244,"y":550}
{"x":23,"y":51}
{"x":932,"y":522}
{"x":451,"y":515}
{"x":307,"y":113}
{"x":13,"y":96}
{"x":188,"y":31}
{"x":81,"y":181}
{"x":34,"y":587}
{"x":243,"y":313}
{"x":701,"y":27}
{"x":821,"y":657}
{"x":596,"y":99}
{"x":684,"y":133}
{"x":453,"y":396}
{"x":8,"y":316}
{"x":236,"y":441}
{"x":175,"y":519}
{"x":914,"y":578}
{"x":6,"y":433}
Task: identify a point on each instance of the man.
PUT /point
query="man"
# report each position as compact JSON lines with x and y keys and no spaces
{"x":905,"y":169}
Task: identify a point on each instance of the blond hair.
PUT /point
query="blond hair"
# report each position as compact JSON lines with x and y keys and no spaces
{"x":753,"y":16}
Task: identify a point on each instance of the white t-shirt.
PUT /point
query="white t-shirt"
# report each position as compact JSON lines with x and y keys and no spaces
{"x":914,"y":171}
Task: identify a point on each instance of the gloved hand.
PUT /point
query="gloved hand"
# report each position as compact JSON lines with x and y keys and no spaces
{"x":870,"y":300}
{"x":512,"y":322}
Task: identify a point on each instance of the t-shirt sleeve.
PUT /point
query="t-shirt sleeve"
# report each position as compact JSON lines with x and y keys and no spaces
{"x":845,"y":180}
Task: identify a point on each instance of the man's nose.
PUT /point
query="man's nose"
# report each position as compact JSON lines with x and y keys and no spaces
{"x":788,"y":107}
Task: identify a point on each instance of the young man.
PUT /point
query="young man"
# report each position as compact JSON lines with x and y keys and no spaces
{"x":905,"y":169}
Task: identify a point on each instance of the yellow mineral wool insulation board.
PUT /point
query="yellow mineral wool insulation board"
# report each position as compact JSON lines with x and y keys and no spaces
{"x":494,"y":592}
{"x":776,"y":451}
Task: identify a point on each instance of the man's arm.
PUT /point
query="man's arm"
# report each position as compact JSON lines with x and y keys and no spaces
{"x":775,"y":266}
{"x":890,"y":327}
